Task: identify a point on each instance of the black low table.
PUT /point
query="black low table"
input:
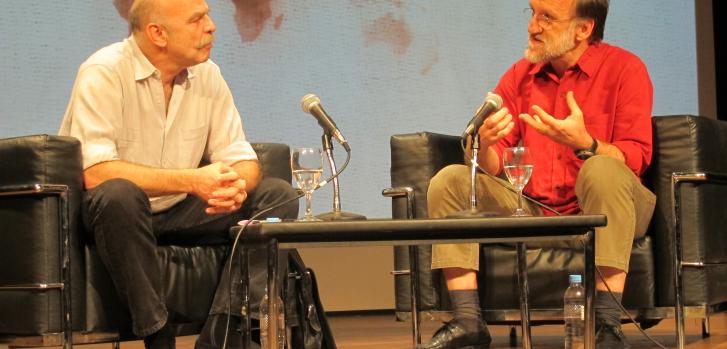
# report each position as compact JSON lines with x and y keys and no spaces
{"x":425,"y":231}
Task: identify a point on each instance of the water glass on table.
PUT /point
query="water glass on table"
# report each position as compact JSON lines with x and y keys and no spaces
{"x":518,"y":165}
{"x":307,"y":167}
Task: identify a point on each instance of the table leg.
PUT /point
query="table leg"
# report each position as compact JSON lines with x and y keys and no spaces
{"x":522,"y":280}
{"x":273,"y":291}
{"x":414,"y":284}
{"x":245,"y":290}
{"x":589,"y":248}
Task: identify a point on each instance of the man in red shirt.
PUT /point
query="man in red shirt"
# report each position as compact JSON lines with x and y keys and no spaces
{"x":583,"y":107}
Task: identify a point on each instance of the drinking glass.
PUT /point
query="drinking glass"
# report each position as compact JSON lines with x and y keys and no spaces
{"x":307,"y":167}
{"x":518,"y":166}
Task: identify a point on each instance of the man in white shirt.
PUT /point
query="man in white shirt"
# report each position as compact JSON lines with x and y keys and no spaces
{"x":163,"y":152}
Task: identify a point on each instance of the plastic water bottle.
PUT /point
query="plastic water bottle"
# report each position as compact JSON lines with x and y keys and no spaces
{"x":265,"y":318}
{"x":574,"y":313}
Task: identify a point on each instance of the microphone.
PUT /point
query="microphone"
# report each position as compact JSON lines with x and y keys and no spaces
{"x":311,"y":104}
{"x":492,"y":103}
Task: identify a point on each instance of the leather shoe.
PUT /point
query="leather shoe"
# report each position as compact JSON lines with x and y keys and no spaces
{"x":610,"y":337}
{"x":453,"y":335}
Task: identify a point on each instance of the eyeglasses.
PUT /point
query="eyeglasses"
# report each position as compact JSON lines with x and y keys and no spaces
{"x":543,"y":20}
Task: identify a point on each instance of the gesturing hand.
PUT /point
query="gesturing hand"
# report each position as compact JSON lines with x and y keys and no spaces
{"x":570,"y":131}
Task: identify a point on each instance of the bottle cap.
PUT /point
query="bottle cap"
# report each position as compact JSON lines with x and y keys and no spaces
{"x":575,"y":278}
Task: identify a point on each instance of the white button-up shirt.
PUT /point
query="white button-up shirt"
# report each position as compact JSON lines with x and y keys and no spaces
{"x":117,"y":110}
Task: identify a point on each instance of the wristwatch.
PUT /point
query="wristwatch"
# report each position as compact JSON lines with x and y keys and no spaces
{"x":584,"y":154}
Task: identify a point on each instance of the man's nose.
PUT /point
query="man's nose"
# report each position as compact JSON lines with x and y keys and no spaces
{"x":211,"y":26}
{"x":533,"y":26}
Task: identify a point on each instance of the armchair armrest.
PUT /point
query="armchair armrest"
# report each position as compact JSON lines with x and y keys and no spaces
{"x":677,"y":179}
{"x":40,"y":193}
{"x":415,"y":159}
{"x":686,"y":175}
{"x":402,"y":192}
{"x":63,"y":284}
{"x":29,"y":189}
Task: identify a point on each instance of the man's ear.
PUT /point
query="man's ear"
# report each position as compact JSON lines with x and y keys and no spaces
{"x":584,"y":29}
{"x":157,"y":34}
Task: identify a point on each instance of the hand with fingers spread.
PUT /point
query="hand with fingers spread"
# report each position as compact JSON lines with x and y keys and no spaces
{"x":570,"y":131}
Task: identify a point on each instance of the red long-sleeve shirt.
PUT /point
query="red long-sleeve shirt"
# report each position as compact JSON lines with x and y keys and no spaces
{"x":614,"y":91}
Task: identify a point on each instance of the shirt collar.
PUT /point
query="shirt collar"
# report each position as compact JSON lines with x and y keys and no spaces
{"x":144,"y":69}
{"x":587,"y":63}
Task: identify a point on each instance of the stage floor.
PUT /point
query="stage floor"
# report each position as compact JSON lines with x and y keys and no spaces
{"x":383,"y":332}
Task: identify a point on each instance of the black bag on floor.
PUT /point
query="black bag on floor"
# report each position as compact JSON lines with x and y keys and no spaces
{"x":305,"y":318}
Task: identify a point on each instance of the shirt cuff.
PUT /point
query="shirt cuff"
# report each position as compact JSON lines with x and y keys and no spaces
{"x":97,"y":153}
{"x":237,"y":151}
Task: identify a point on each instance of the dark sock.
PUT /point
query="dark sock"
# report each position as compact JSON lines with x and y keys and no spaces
{"x":607,"y":310}
{"x":467,"y":308}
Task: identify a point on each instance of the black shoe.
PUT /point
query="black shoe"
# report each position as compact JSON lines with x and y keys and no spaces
{"x":453,"y":335}
{"x":162,"y":339}
{"x":610,"y":337}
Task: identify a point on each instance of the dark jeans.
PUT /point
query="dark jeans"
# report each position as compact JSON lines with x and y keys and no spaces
{"x":118,"y":214}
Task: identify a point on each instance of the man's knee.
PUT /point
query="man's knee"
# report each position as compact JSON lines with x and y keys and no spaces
{"x":602,"y":174}
{"x":115,"y":202}
{"x":447,"y":177}
{"x":117,"y":194}
{"x":275,"y":191}
{"x":275,"y":187}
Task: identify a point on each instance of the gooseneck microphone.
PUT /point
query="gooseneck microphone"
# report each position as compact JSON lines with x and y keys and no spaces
{"x":492,"y":103}
{"x":311,"y":104}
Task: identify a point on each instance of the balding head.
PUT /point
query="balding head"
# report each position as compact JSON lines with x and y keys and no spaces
{"x":143,"y":12}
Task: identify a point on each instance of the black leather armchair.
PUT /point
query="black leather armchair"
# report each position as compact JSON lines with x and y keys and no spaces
{"x":687,"y":175}
{"x":50,"y":270}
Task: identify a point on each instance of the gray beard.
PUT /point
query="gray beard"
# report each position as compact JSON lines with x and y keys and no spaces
{"x":562,"y":45}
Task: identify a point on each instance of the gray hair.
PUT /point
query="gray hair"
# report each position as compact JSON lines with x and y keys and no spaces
{"x":141,"y":13}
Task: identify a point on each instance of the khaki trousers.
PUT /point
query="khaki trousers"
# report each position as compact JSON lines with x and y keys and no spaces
{"x":604,"y":185}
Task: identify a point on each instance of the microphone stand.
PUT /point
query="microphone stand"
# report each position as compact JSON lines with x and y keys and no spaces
{"x":473,"y":212}
{"x":336,"y":214}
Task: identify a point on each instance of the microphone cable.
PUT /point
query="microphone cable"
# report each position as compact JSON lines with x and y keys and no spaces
{"x":598,"y":271}
{"x":250,"y":220}
{"x":626,"y":312}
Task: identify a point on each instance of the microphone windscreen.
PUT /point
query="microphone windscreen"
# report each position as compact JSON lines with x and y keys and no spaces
{"x":308,"y":101}
{"x":496,"y":99}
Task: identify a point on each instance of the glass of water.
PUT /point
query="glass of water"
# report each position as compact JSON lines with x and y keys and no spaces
{"x":518,"y":166}
{"x":307,"y":167}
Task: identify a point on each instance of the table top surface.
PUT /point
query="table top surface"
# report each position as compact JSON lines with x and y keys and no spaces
{"x":421,"y":231}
